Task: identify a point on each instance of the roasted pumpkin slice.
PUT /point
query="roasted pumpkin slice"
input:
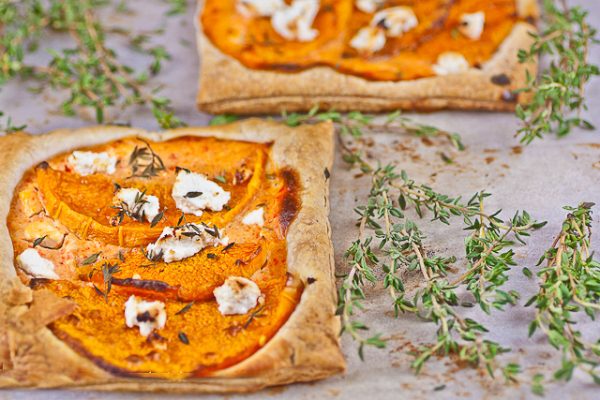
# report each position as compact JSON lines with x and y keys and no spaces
{"x":216,"y":341}
{"x":86,"y":204}
{"x":256,"y":44}
{"x":191,"y":279}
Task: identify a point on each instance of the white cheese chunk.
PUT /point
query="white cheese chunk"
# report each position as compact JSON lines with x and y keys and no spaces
{"x":260,"y":8}
{"x":137,"y":204}
{"x":369,"y":39}
{"x":395,"y":20}
{"x":237,"y":295}
{"x":88,"y":163}
{"x":368,"y":6}
{"x":193,"y":193}
{"x":471,"y":25}
{"x":147,"y":315}
{"x":450,"y":63}
{"x":295,"y":21}
{"x":256,"y":217}
{"x":175,"y":244}
{"x":35,"y":265}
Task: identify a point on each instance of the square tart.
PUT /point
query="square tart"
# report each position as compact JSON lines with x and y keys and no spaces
{"x":227,"y":85}
{"x":45,"y":336}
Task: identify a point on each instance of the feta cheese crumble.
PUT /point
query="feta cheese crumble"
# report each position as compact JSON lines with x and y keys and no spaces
{"x":368,"y":6}
{"x":395,"y":20}
{"x":137,"y":204}
{"x":471,"y":25}
{"x":391,"y":22}
{"x":260,"y":8}
{"x":147,"y":315}
{"x":369,"y":39}
{"x":88,"y":163}
{"x":295,"y":21}
{"x":237,"y":295}
{"x":256,"y":217}
{"x":35,"y":265}
{"x":450,"y":63}
{"x":175,"y":244}
{"x":193,"y":193}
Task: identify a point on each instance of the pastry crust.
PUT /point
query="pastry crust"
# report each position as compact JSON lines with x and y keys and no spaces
{"x":305,"y":348}
{"x":226,"y":86}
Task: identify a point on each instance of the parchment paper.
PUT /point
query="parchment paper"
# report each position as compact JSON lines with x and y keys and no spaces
{"x":540,"y":178}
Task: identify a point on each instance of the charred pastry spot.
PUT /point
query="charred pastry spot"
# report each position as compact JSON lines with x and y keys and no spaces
{"x":290,"y":204}
{"x":151,"y":285}
{"x":310,"y":280}
{"x":34,"y":283}
{"x":80,"y":348}
{"x":287,"y":67}
{"x":509,"y":96}
{"x":43,"y":165}
{"x":327,"y":173}
{"x":501,"y":80}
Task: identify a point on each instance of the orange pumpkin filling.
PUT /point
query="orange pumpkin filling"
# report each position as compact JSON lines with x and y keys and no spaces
{"x":413,"y":54}
{"x":101,"y":257}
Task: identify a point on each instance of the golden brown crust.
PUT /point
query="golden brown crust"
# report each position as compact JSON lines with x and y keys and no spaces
{"x":226,"y":86}
{"x":305,"y":348}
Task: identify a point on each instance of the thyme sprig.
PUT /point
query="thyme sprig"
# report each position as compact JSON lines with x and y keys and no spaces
{"x":108,"y":270}
{"x":355,"y":124}
{"x":8,"y":126}
{"x":144,"y":162}
{"x":390,"y":243}
{"x":558,"y":92}
{"x":135,"y":211}
{"x":569,"y":287}
{"x":90,"y":71}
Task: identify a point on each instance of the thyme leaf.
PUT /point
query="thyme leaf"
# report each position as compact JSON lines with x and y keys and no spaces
{"x":91,"y":259}
{"x":185,"y":309}
{"x":39,"y":241}
{"x":157,"y":219}
{"x":255,"y":314}
{"x":183,"y":338}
